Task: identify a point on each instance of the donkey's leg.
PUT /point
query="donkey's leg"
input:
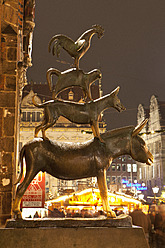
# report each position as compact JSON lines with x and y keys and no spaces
{"x":20,"y":192}
{"x":101,"y":180}
{"x":95,"y":130}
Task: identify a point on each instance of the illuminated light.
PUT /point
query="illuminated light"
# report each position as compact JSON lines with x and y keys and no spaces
{"x":155,"y":189}
{"x":152,"y":132}
{"x":141,"y":196}
{"x":124,"y":181}
{"x":144,"y":134}
{"x":135,"y":181}
{"x":143,"y":184}
{"x":112,"y":199}
{"x":141,"y":188}
{"x":163,"y":194}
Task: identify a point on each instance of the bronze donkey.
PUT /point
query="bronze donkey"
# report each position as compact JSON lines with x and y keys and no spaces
{"x":70,"y":161}
{"x":72,"y":77}
{"x":80,"y":113}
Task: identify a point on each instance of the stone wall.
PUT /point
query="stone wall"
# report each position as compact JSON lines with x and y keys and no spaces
{"x":16,"y":26}
{"x":8,"y":105}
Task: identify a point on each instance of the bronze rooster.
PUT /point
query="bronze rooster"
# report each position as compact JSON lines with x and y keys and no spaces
{"x":76,"y":49}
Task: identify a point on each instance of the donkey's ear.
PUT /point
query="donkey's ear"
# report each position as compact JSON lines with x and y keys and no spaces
{"x":139,"y":127}
{"x":116,"y":91}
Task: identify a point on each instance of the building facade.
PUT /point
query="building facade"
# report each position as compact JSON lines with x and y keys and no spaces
{"x":121,"y":173}
{"x":154,"y":136}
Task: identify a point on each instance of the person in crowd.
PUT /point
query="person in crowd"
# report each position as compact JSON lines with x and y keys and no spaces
{"x":142,"y":220}
{"x":36,"y":215}
{"x":152,"y":213}
{"x":160,"y":226}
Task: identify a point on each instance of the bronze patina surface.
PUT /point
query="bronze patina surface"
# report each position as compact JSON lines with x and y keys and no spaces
{"x":80,"y":113}
{"x":71,"y":161}
{"x":76,"y":49}
{"x":70,"y":78}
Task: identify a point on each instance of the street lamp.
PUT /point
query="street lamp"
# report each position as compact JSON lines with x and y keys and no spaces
{"x":155,"y":191}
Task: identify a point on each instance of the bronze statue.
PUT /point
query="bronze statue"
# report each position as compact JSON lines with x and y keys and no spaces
{"x":70,"y":161}
{"x":72,"y":77}
{"x":80,"y":113}
{"x":76,"y":49}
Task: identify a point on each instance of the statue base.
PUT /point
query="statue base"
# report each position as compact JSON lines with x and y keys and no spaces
{"x":121,"y":221}
{"x":72,"y":233}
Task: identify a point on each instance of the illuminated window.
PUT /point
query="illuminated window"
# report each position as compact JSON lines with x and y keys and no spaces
{"x":123,"y":158}
{"x":70,"y":95}
{"x":118,"y":167}
{"x":129,"y":167}
{"x":108,"y":180}
{"x":113,"y":167}
{"x":134,"y":167}
{"x":140,"y":173}
{"x":153,"y":171}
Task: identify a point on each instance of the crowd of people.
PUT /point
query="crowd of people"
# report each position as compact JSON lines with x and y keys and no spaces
{"x":153,"y":224}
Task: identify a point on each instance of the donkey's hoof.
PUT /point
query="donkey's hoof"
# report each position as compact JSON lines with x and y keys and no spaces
{"x":17,"y":215}
{"x":111,"y":214}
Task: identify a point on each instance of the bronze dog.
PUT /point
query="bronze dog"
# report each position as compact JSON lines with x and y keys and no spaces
{"x":70,"y":161}
{"x":80,"y":113}
{"x":73,"y":77}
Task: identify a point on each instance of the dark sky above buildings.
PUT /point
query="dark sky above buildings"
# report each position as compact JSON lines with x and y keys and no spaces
{"x":131,"y":54}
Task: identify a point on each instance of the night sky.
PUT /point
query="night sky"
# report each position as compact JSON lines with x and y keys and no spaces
{"x":130,"y":55}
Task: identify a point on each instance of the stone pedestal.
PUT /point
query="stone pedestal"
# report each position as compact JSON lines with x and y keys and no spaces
{"x":81,"y":237}
{"x":72,"y":233}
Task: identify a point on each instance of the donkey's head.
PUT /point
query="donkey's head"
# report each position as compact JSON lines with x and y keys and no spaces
{"x":116,"y":101}
{"x":139,"y":150}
